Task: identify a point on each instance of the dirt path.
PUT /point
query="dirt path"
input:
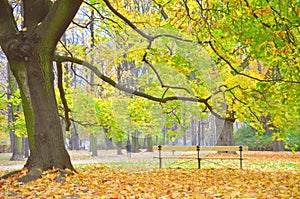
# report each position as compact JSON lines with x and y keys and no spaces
{"x":84,"y":157}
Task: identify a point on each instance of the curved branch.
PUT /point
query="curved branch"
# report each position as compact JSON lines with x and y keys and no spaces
{"x":243,"y":74}
{"x":62,"y":95}
{"x":242,"y":102}
{"x":148,"y":37}
{"x":101,"y":15}
{"x":108,"y":80}
{"x":57,"y":21}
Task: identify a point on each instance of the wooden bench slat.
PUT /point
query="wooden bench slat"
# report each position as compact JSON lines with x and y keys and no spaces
{"x":202,"y":158}
{"x":202,"y":148}
{"x":224,"y":158}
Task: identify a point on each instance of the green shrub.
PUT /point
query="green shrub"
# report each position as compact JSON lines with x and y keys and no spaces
{"x":246,"y":136}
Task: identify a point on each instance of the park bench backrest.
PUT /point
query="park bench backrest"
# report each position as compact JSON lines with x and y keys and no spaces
{"x":201,"y":148}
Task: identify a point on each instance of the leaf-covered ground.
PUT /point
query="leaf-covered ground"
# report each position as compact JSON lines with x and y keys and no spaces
{"x":266,"y":175}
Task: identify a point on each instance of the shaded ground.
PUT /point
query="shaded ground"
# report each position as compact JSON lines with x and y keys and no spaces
{"x":84,"y":157}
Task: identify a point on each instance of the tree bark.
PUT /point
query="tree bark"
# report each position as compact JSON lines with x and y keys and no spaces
{"x":149,"y":143}
{"x":108,"y":141}
{"x":135,"y":142}
{"x":17,"y":148}
{"x":119,"y":147}
{"x":278,"y":145}
{"x":93,"y":145}
{"x":25,"y":147}
{"x":224,"y":130}
{"x":74,"y":138}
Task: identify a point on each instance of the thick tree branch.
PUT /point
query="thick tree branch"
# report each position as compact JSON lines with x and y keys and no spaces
{"x":159,"y":78}
{"x":34,"y":12}
{"x":53,"y":27}
{"x":8,"y":26}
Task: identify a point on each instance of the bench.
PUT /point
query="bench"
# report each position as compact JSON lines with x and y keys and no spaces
{"x":226,"y":149}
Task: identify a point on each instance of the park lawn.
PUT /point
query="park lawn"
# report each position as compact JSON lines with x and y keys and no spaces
{"x":265,"y":175}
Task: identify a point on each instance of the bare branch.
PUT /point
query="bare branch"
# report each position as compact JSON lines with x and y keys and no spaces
{"x":101,"y":15}
{"x":245,"y":75}
{"x":82,"y":123}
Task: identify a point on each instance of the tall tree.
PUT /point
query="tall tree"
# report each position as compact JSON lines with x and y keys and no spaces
{"x":30,"y":53}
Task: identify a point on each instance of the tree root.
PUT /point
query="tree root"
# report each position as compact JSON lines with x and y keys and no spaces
{"x":36,"y":173}
{"x":32,"y":175}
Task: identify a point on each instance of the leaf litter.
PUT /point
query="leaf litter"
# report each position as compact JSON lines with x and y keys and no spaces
{"x":225,"y":180}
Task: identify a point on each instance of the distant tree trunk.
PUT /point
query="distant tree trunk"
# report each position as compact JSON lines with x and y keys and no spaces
{"x":25,"y":147}
{"x":135,"y":142}
{"x":278,"y":145}
{"x":119,"y":147}
{"x":164,"y":131}
{"x":16,"y":142}
{"x":224,"y":130}
{"x":17,"y":148}
{"x":93,"y":145}
{"x":74,"y":138}
{"x":108,"y":141}
{"x":194,"y":135}
{"x":184,"y":138}
{"x":149,"y":143}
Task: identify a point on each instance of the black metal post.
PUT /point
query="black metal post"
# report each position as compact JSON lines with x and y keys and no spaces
{"x":241,"y":157}
{"x":159,"y":156}
{"x":199,"y":160}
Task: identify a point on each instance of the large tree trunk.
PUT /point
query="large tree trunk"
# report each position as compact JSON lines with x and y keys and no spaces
{"x":224,"y":130}
{"x":47,"y":149}
{"x":30,"y":56}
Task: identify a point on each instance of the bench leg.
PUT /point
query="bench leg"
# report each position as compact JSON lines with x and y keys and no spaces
{"x":241,"y":157}
{"x":160,"y":162}
{"x":160,"y":158}
{"x":198,"y":156}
